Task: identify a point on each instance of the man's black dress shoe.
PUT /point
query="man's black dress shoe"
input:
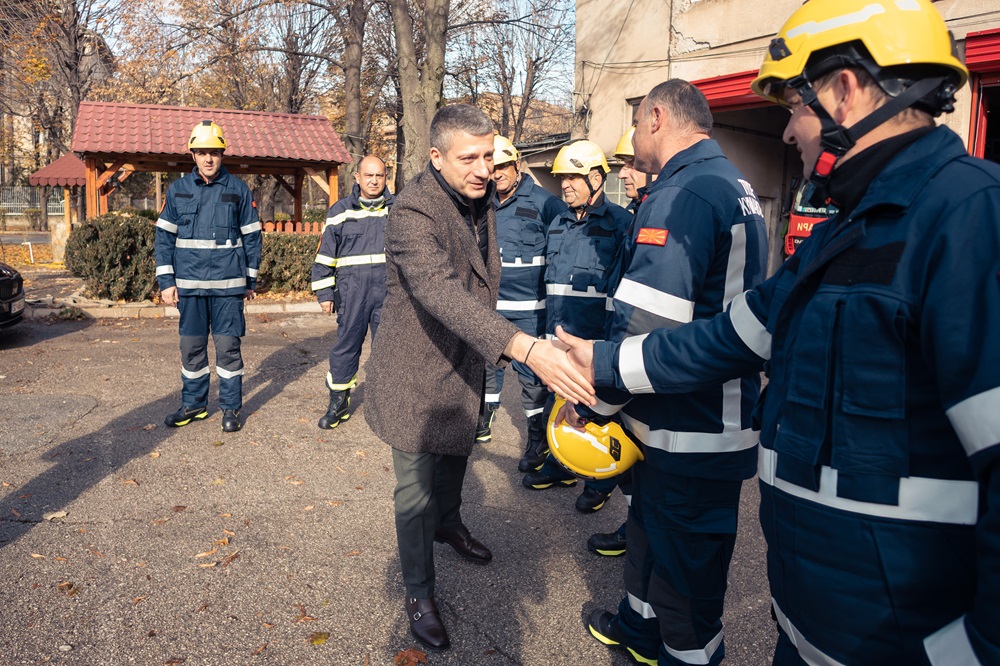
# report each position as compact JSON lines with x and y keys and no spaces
{"x":425,"y":623}
{"x":464,"y":544}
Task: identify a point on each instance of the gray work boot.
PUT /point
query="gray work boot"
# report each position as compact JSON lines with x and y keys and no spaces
{"x":484,"y":429}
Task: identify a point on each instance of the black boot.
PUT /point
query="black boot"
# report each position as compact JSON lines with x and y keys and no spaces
{"x":231,"y":421}
{"x":484,"y":429}
{"x":336,"y":412}
{"x":185,"y":415}
{"x":537,"y":447}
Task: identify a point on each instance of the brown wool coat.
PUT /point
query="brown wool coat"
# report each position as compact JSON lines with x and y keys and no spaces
{"x":438,"y":326}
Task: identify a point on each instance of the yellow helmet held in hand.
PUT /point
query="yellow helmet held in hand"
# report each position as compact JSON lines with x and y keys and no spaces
{"x":503,"y":151}
{"x":909,"y":37}
{"x":599,"y":452}
{"x":206,"y":135}
{"x":580,"y":157}
{"x":624,"y":148}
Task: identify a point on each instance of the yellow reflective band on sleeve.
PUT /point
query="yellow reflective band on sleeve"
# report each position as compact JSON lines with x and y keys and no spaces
{"x":324,"y":260}
{"x":325,"y":283}
{"x":361,"y":260}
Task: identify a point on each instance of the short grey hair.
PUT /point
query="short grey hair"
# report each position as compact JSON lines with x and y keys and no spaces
{"x":684,"y":102}
{"x":458,"y":118}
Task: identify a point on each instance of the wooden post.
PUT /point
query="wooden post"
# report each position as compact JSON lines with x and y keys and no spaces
{"x":91,"y":194}
{"x":159,"y":192}
{"x":59,"y":230}
{"x":333,"y":179}
{"x":297,"y":195}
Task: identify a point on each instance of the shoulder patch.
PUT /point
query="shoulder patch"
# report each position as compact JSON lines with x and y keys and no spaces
{"x":650,"y":236}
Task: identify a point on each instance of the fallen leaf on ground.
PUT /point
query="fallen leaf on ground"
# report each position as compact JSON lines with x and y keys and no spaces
{"x":68,"y":588}
{"x":352,"y":553}
{"x":8,"y":485}
{"x":361,"y":454}
{"x":332,"y":503}
{"x":309,"y":508}
{"x":302,"y":615}
{"x":410,"y":657}
{"x":267,"y":625}
{"x":161,"y":521}
{"x":154,"y":454}
{"x":228,"y":559}
{"x":52,"y":515}
{"x":221,"y":542}
{"x":137,"y":600}
{"x":230,"y":533}
{"x":218,"y":482}
{"x":340,"y":469}
{"x":207,"y":553}
{"x":179,"y":508}
{"x":203,"y":607}
{"x":174,"y":661}
{"x":295,"y":482}
{"x":208,"y":565}
{"x":130,"y":482}
{"x":38,"y":557}
{"x":225,"y":515}
{"x":97,"y":552}
{"x":217,"y":443}
{"x":259,"y":650}
{"x":319,"y":637}
{"x":15,"y":513}
{"x":60,"y":559}
{"x":149,"y":426}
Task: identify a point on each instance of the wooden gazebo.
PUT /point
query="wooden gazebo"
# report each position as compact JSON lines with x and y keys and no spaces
{"x":116,"y":140}
{"x":69,"y":173}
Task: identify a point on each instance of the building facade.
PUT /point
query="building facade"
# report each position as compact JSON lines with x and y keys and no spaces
{"x":623,"y":49}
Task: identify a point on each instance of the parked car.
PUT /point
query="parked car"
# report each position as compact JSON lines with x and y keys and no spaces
{"x":11,"y":296}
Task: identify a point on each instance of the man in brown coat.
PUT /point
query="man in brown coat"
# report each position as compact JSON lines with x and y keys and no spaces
{"x":439,"y":326}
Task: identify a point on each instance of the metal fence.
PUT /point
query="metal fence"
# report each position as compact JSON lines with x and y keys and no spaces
{"x":14,"y":200}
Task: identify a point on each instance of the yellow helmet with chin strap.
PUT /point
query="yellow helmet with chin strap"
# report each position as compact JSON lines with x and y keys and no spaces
{"x":624,"y":148}
{"x":579,"y":157}
{"x":903,"y":45}
{"x":503,"y":151}
{"x":206,"y":135}
{"x":895,"y":33}
{"x":599,"y":452}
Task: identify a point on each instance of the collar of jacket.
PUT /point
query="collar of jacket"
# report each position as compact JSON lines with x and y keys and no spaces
{"x":598,"y":210}
{"x":705,"y":149}
{"x":864,"y":180}
{"x":523,"y":189}
{"x":355,"y":195}
{"x":219,"y":178}
{"x":471,"y":211}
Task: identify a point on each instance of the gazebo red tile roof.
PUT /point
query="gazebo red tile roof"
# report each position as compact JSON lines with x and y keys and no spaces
{"x":67,"y":171}
{"x":110,"y":128}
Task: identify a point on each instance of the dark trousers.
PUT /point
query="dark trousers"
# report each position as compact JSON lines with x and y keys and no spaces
{"x":223,"y":317}
{"x":428,"y":495}
{"x":360,"y":311}
{"x":681,"y":533}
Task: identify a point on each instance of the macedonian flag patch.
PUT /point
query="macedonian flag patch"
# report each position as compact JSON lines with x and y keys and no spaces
{"x":648,"y":236}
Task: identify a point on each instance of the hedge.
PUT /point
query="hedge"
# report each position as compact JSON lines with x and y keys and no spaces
{"x":114,"y":254}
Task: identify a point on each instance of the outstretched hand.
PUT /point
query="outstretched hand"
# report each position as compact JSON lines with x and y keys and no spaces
{"x":579,"y":351}
{"x":555,"y":369}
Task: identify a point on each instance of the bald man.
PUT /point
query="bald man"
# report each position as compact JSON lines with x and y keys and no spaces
{"x":348,"y":277}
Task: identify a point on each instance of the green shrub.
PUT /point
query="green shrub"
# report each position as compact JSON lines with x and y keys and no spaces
{"x":114,"y":255}
{"x":314,"y":215}
{"x":282,"y":217}
{"x":286,"y":262}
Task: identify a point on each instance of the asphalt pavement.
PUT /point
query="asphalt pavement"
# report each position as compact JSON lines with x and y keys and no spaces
{"x":126,"y":542}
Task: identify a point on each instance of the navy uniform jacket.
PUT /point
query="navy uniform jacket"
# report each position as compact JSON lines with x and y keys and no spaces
{"x":880,"y":425}
{"x":698,"y":242}
{"x":208,"y":238}
{"x":353,"y":236}
{"x":522,"y":222}
{"x":578,"y":256}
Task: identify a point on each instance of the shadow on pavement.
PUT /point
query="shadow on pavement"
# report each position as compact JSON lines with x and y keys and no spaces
{"x":81,"y":463}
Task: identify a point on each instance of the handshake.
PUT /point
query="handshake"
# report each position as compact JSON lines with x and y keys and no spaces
{"x":565,"y":365}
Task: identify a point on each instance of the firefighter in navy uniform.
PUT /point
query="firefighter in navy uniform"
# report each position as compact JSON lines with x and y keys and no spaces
{"x":612,"y":544}
{"x":879,"y":462}
{"x":348,"y":277}
{"x":524,"y":213}
{"x":699,"y":241}
{"x":582,"y":243}
{"x":208,"y":243}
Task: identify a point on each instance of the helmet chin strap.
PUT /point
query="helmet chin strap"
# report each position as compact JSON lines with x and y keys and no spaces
{"x":585,"y":208}
{"x":836,"y":140}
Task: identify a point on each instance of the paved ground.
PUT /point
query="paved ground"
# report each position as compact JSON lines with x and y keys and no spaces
{"x":188,"y":546}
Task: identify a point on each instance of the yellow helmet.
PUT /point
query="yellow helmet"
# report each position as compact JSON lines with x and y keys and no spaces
{"x":908,"y":35}
{"x":206,"y":134}
{"x":580,"y":157}
{"x":624,"y":148}
{"x":598,"y":453}
{"x":503,"y":151}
